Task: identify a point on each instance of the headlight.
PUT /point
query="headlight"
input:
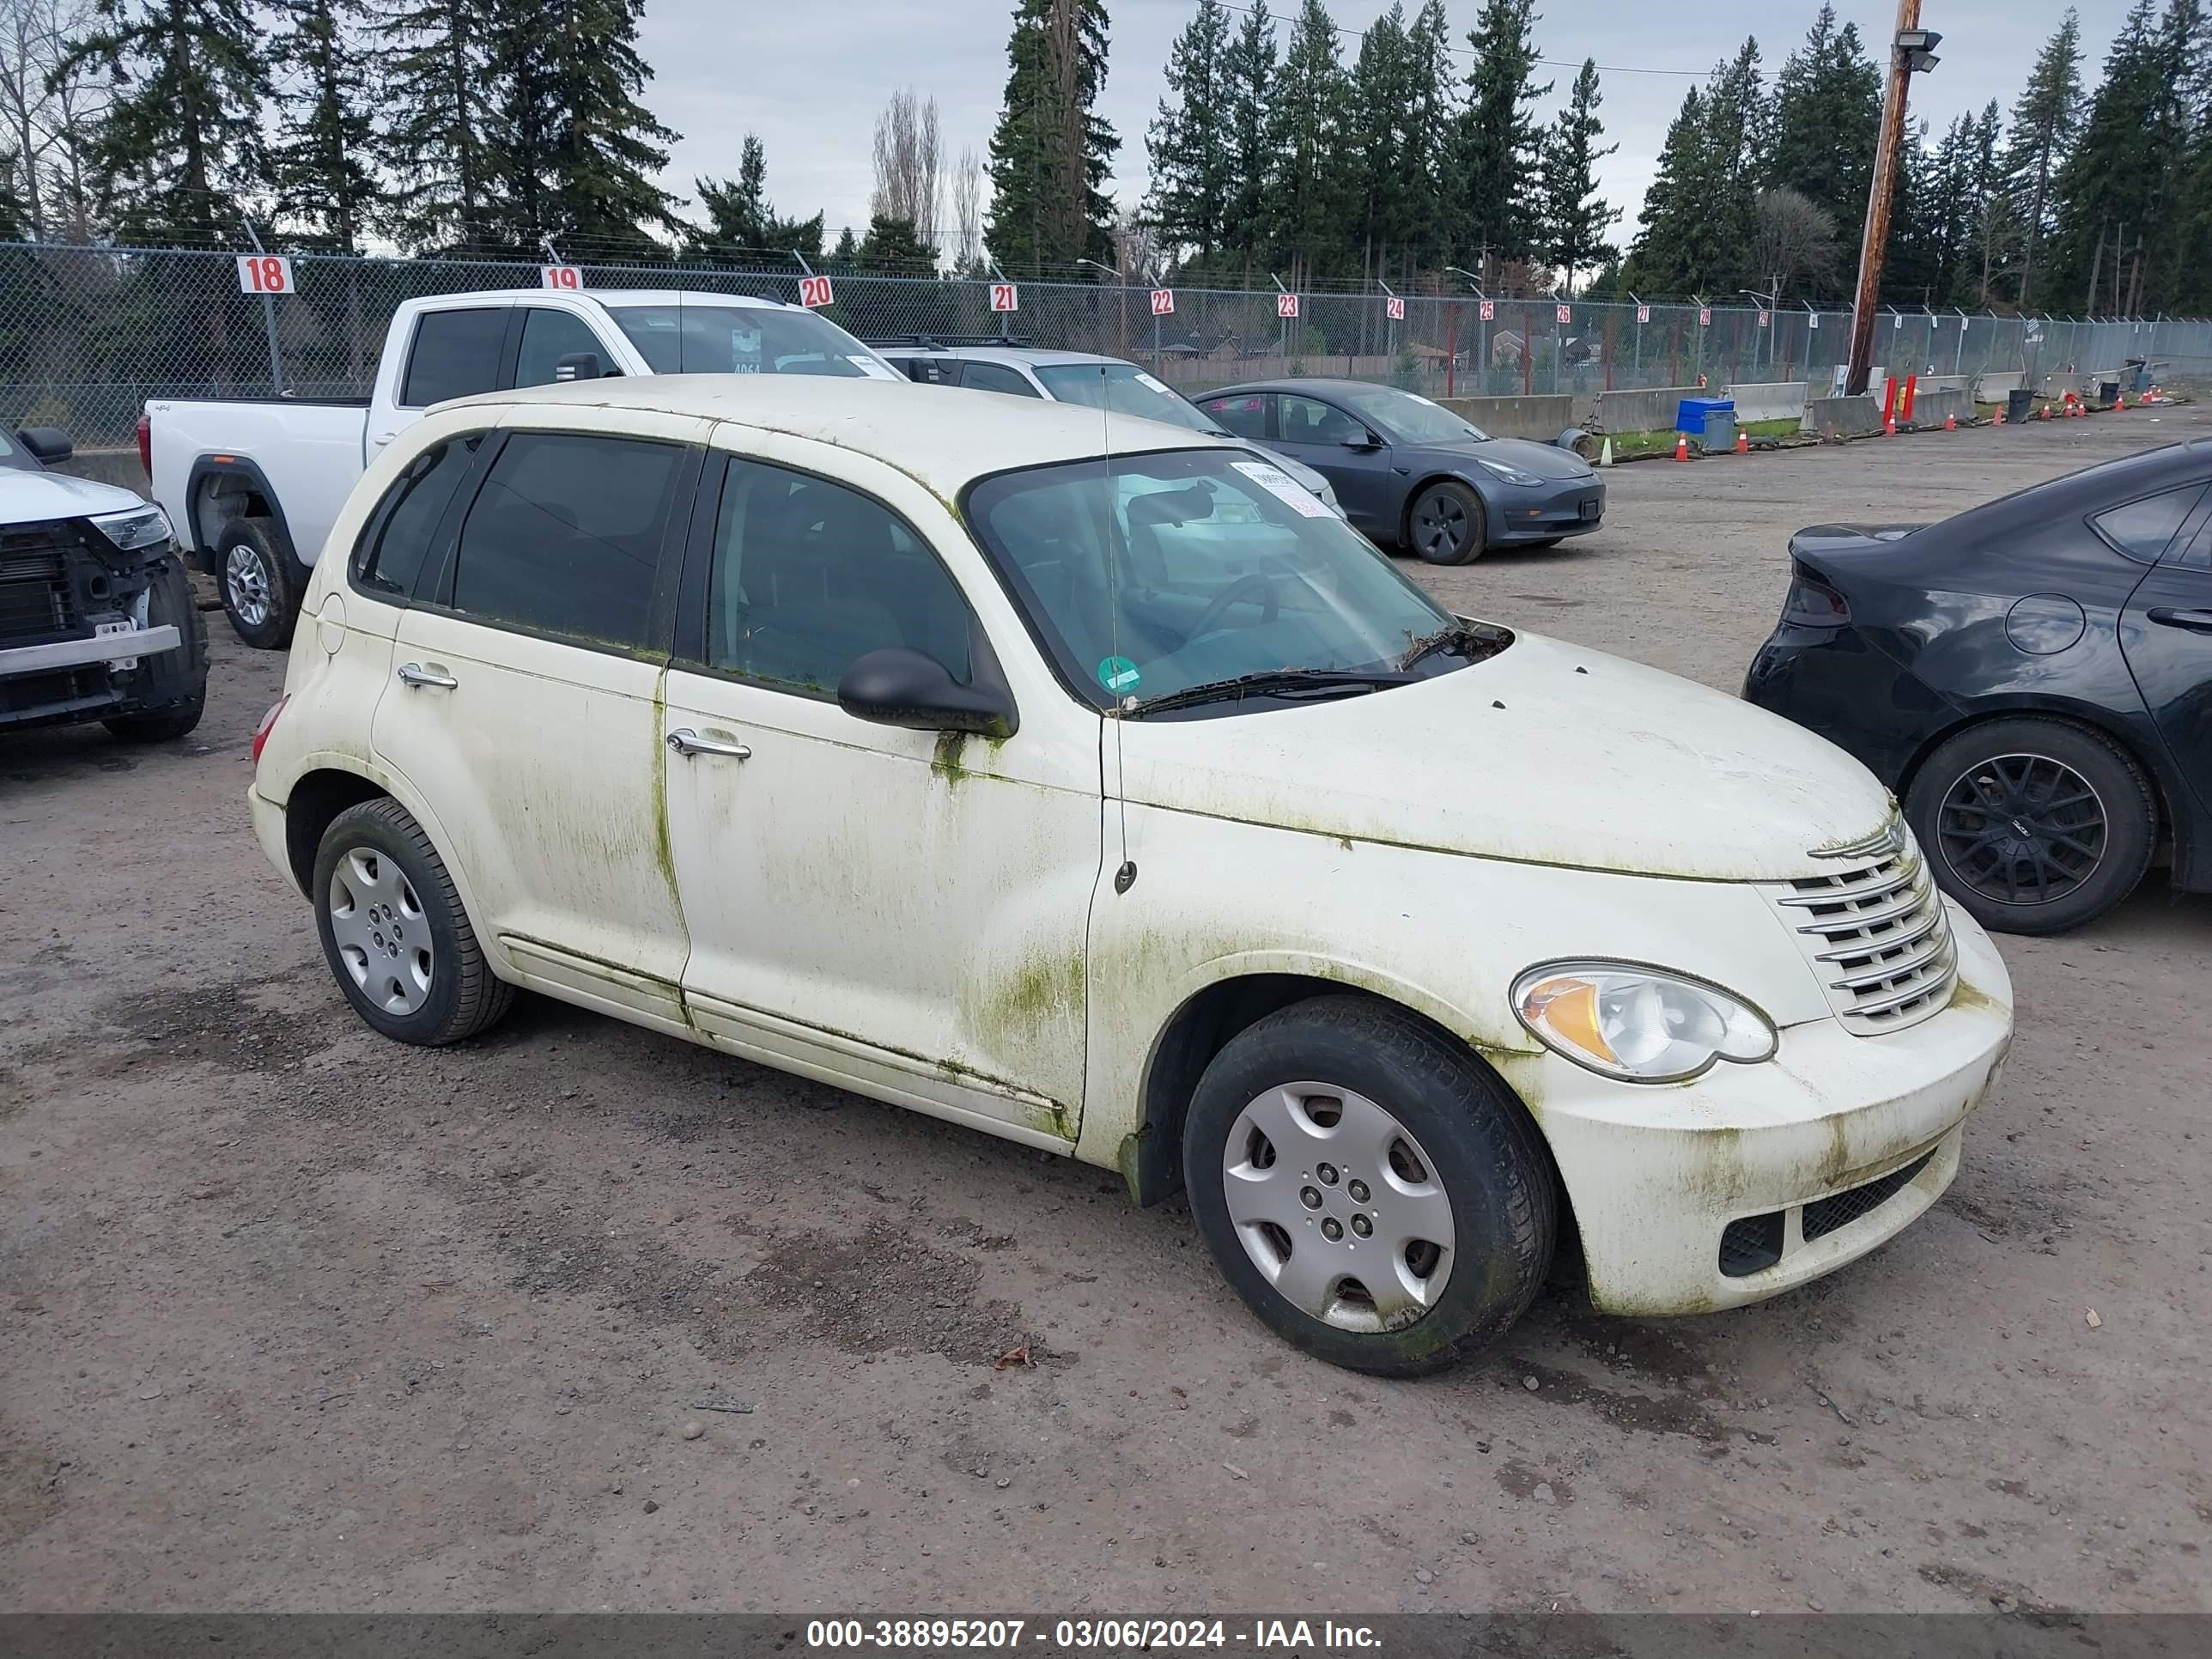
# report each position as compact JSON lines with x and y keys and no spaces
{"x":1639,"y":1024}
{"x":135,"y":527}
{"x":1511,"y":474}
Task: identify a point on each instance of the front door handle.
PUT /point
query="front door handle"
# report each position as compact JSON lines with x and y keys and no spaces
{"x":414,"y":673}
{"x":685,"y":741}
{"x":2196,"y":622}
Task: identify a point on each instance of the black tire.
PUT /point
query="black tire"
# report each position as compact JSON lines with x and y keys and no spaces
{"x":2034,"y":825}
{"x":1446,"y":524}
{"x":463,"y":996}
{"x":1479,"y":1145}
{"x":261,"y":580}
{"x":173,"y":695}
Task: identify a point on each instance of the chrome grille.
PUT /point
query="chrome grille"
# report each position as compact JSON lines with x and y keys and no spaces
{"x":1877,"y":934}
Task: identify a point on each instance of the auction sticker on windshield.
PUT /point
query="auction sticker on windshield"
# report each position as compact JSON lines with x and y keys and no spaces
{"x":1118,"y":674}
{"x":872,"y":369}
{"x":1285,"y":489}
{"x":1145,"y":379}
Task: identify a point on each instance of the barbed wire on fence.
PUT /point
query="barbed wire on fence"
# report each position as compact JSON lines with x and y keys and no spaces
{"x":87,"y":334}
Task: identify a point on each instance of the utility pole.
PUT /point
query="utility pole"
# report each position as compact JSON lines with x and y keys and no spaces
{"x":1912,"y":47}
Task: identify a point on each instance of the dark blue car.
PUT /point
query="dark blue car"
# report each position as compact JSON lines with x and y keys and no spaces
{"x":1410,"y":473}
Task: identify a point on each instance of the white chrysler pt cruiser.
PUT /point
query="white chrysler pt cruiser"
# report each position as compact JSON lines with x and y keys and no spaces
{"x":1081,"y":780}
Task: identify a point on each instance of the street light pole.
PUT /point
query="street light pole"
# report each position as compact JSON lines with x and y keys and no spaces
{"x":1911,"y":47}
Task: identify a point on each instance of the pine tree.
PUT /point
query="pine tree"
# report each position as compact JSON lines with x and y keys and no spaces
{"x":1827,"y":115}
{"x":1378,"y":138}
{"x":321,"y":158}
{"x":1190,"y":141}
{"x":742,"y":223}
{"x":847,"y":254}
{"x":892,"y":245}
{"x":1248,"y":79}
{"x":1434,"y":82}
{"x":181,"y":139}
{"x":2044,"y":123}
{"x":438,"y":105}
{"x":1311,"y":187}
{"x":1667,"y":254}
{"x":1576,"y":218}
{"x":2113,"y":187}
{"x":1701,"y":212}
{"x":1498,"y":137}
{"x":1051,"y":154}
{"x":1993,"y":235}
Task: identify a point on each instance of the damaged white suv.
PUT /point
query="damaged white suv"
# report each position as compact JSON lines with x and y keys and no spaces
{"x":1086,"y":782}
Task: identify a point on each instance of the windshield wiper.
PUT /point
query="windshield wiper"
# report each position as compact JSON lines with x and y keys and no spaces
{"x":1267,"y":682}
{"x":1473,"y":641}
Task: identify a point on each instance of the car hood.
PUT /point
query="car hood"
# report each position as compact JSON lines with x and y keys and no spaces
{"x":1547,"y":461}
{"x":27,"y":497}
{"x":1547,"y":753}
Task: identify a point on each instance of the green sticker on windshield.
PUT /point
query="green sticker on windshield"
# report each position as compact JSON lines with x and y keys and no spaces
{"x":1118,"y":674}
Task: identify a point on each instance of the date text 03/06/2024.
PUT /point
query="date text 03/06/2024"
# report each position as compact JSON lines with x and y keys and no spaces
{"x":1089,"y":1634}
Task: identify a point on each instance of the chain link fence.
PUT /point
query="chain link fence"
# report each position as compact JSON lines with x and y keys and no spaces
{"x":88,"y":334}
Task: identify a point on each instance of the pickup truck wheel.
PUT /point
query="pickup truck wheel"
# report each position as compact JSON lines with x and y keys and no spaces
{"x":262,"y":581}
{"x":393,"y":931}
{"x":1375,"y":1195}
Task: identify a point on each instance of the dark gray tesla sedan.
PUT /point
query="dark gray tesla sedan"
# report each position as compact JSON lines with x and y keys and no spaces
{"x":1410,"y":473}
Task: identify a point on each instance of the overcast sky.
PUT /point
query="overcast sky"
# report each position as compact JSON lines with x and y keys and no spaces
{"x":811,"y":78}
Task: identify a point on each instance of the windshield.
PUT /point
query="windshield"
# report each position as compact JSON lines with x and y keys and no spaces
{"x":712,"y":339}
{"x":1191,"y":568}
{"x":1410,"y":417}
{"x":1125,"y":389}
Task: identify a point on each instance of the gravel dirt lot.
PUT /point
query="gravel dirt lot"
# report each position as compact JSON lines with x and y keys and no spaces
{"x":294,"y":1318}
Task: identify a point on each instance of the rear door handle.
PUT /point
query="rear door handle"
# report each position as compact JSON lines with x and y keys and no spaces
{"x":685,"y":741}
{"x":2196,"y":622}
{"x":414,"y":673}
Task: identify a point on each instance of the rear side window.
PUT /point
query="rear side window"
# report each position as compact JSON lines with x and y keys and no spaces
{"x":565,"y":537}
{"x":548,"y":336}
{"x":455,"y":353}
{"x":1245,"y":414}
{"x":400,"y":533}
{"x":995,"y":377}
{"x":2141,"y":529}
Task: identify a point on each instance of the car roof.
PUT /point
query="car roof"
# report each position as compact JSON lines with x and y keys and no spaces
{"x":1029,"y":357}
{"x":1302,"y":383}
{"x":944,"y":436}
{"x":616,"y":297}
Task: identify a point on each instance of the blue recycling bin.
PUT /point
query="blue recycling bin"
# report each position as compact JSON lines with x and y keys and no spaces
{"x":1710,"y":421}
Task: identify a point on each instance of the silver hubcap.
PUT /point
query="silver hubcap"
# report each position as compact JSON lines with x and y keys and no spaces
{"x":1339,"y":1206}
{"x":248,"y":582}
{"x":382,"y":935}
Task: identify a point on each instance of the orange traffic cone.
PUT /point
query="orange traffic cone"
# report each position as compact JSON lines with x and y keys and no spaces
{"x":1681,"y":447}
{"x":2046,"y":411}
{"x":2121,"y":402}
{"x":1743,"y":443}
{"x":1950,"y":423}
{"x":1889,"y":425}
{"x":2000,"y":416}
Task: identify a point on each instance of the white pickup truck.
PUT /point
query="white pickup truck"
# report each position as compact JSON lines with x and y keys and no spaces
{"x":253,"y":484}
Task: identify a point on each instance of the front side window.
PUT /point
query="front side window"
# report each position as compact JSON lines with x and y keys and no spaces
{"x":565,"y":537}
{"x":809,"y":576}
{"x":454,"y":353}
{"x":1155,"y":573}
{"x":1309,"y":421}
{"x":1125,"y":389}
{"x":548,"y":336}
{"x":1410,"y":417}
{"x":994,"y":377}
{"x":717,"y":339}
{"x":1243,"y":415}
{"x":400,"y":533}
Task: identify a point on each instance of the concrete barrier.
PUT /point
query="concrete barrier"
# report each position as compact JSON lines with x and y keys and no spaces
{"x":112,"y":466}
{"x":1542,"y":417}
{"x":1993,"y":386}
{"x":1847,"y":418}
{"x":1649,"y":410}
{"x":1929,"y":407}
{"x":1771,"y":400}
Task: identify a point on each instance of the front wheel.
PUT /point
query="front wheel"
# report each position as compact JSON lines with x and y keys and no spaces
{"x":1376,"y":1197}
{"x":1446,"y":525}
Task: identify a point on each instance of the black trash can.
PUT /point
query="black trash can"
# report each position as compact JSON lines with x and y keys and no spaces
{"x":2108,"y":392}
{"x":2018,"y":403}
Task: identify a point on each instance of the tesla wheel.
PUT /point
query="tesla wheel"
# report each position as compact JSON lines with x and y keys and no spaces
{"x":398,"y":941}
{"x":262,"y":582}
{"x":1376,"y":1197}
{"x":1446,"y":525}
{"x":2034,"y":825}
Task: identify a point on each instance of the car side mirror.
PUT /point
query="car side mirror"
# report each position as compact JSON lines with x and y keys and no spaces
{"x":577,"y":366}
{"x":48,"y":443}
{"x":1361,"y":440}
{"x":896,"y":686}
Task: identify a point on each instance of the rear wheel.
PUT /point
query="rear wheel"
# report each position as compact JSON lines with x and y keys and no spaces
{"x":1446,"y":525}
{"x":2034,"y":825}
{"x":1375,"y":1195}
{"x":263,"y":581}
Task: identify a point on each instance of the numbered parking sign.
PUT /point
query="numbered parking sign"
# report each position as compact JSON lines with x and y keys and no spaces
{"x":1643,"y":313}
{"x":264,"y":273}
{"x":1162,"y":303}
{"x":566,"y":276}
{"x":1705,"y":317}
{"x":814,"y":291}
{"x":1394,"y":309}
{"x":1488,"y":311}
{"x":1287,"y":305}
{"x":1566,"y":315}
{"x":1004,"y":298}
{"x":1812,"y":319}
{"x":1762,"y":320}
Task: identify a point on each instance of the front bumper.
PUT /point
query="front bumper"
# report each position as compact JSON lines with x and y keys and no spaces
{"x":1546,"y":513}
{"x":1657,"y":1176}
